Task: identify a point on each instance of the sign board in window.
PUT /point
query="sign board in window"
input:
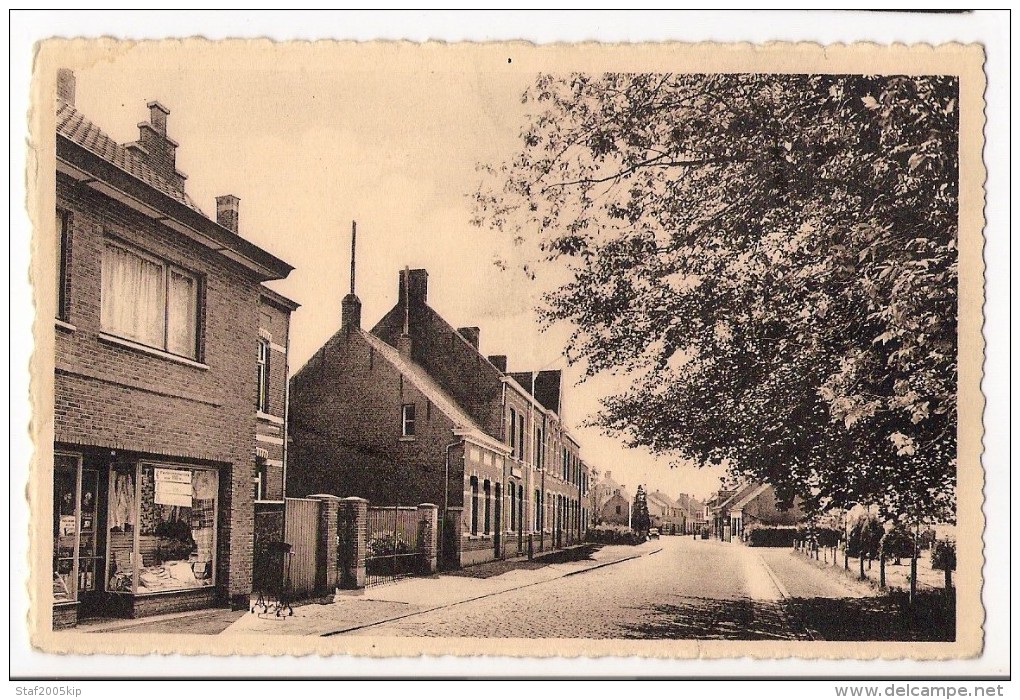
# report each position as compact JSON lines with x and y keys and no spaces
{"x":173,"y":487}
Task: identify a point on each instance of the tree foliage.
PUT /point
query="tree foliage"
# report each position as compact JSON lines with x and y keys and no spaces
{"x":770,"y":260}
{"x":640,"y":519}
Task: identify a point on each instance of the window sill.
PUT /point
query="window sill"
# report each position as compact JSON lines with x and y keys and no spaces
{"x":406,"y":438}
{"x":130,"y":344}
{"x":64,"y":325}
{"x":269,"y":418}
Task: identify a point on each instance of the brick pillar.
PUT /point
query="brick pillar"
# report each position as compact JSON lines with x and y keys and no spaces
{"x":428,"y":518}
{"x":453,"y":535}
{"x":327,"y":573}
{"x":353,"y":528}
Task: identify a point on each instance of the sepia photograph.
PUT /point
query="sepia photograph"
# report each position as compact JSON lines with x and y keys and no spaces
{"x":391,"y":349}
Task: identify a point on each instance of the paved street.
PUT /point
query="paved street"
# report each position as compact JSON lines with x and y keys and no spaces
{"x":700,"y":589}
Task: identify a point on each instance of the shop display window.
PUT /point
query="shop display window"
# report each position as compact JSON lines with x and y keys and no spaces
{"x":65,"y":527}
{"x":162,"y":535}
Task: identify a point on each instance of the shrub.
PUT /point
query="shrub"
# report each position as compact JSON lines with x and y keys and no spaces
{"x":897,"y":544}
{"x":770,"y":535}
{"x":865,"y":537}
{"x":388,"y":544}
{"x":827,"y":536}
{"x":614,"y":534}
{"x":943,"y":555}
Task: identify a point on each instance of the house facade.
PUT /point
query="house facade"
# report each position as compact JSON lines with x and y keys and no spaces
{"x":156,"y":415}
{"x":488,"y":447}
{"x":749,"y":503}
{"x":666,"y":514}
{"x":694,"y":512}
{"x":615,"y":509}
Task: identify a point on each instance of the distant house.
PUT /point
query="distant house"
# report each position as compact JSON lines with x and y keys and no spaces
{"x":615,"y":509}
{"x":695,"y":512}
{"x":666,"y":514}
{"x":751,"y":503}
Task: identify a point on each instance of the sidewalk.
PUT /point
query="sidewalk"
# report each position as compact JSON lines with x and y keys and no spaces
{"x":352,"y":610}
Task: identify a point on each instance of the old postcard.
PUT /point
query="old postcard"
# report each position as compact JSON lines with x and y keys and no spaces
{"x":582,"y":350}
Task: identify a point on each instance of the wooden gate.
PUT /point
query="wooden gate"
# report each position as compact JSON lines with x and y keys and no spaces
{"x":301,"y":531}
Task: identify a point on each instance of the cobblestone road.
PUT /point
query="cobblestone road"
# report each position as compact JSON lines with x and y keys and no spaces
{"x":690,"y":590}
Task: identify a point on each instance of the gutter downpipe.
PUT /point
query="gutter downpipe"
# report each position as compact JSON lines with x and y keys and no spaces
{"x":502,"y":432}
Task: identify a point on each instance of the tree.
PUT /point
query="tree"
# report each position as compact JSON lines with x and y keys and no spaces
{"x":640,"y":519}
{"x":598,"y":494}
{"x":770,"y":259}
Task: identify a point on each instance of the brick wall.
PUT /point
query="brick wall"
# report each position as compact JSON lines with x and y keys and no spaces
{"x":110,"y":396}
{"x":452,"y":361}
{"x":346,"y":426}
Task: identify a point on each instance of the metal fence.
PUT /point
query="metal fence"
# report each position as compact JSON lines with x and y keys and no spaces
{"x":394,"y":547}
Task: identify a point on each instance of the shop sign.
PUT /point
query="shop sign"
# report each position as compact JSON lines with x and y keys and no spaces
{"x":173,"y":487}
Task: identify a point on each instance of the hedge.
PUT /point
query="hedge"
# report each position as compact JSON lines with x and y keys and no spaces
{"x":614,"y":534}
{"x":770,"y":536}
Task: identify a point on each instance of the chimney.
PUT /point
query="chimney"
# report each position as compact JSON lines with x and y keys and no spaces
{"x":158,"y":150}
{"x":471,"y":334}
{"x":404,"y":346}
{"x":499,"y":361}
{"x":227,"y":212}
{"x":350,"y":305}
{"x":417,"y":286}
{"x":66,"y":85}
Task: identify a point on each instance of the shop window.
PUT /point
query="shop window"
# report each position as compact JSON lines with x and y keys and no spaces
{"x":263,"y":376}
{"x":407,"y":420}
{"x":149,"y":301}
{"x":162,"y":528}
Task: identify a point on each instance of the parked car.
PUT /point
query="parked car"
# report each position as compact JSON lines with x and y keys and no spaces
{"x":653,"y":533}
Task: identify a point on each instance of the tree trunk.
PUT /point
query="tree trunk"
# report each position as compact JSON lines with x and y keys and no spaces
{"x":846,"y":558}
{"x":913,"y":568}
{"x":949,"y":577}
{"x":861,"y":560}
{"x":881,"y":572}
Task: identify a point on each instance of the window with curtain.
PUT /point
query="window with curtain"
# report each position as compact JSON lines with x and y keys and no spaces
{"x":149,"y":301}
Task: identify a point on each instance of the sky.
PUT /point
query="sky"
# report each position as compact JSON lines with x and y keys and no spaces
{"x":313,"y":140}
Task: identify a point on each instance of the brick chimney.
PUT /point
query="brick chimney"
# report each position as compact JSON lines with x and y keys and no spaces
{"x":417,"y":286}
{"x":156,"y":149}
{"x":227,"y":212}
{"x":66,"y":84}
{"x":471,"y":334}
{"x":499,"y":361}
{"x":350,"y":305}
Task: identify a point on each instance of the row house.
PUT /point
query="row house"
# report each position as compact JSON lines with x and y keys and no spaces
{"x":666,"y":514}
{"x":167,"y":425}
{"x":696,"y":515}
{"x":412,"y":412}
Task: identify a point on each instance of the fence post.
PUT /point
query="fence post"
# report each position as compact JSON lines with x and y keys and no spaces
{"x":353,"y":518}
{"x":327,"y":573}
{"x":428,"y":517}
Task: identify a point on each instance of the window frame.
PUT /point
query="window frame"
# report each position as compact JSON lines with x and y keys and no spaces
{"x":168,"y":268}
{"x":262,"y":397}
{"x":406,"y":421}
{"x":63,"y":260}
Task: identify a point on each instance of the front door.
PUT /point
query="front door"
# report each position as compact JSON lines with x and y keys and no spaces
{"x":91,"y":568}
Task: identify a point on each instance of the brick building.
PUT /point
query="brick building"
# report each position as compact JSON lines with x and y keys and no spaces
{"x":411,"y":411}
{"x":615,"y":509}
{"x":666,"y":514}
{"x":166,"y":425}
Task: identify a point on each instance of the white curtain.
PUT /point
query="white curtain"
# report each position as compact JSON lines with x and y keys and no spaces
{"x":180,"y":335}
{"x":133,"y":296}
